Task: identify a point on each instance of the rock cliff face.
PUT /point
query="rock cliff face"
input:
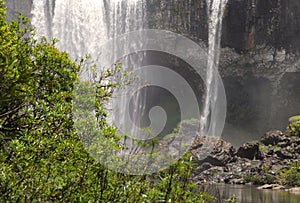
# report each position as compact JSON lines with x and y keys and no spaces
{"x":260,"y":63}
{"x":259,"y":60}
{"x":246,"y":24}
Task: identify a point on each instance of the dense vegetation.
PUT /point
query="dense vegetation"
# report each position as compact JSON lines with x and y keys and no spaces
{"x":41,"y":157}
{"x":294,"y":127}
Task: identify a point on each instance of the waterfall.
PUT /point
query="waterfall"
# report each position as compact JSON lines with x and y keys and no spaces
{"x":83,"y":25}
{"x":215,"y":11}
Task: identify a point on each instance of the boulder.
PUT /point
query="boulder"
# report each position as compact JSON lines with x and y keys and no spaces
{"x":222,"y":154}
{"x":203,"y":167}
{"x":250,"y":151}
{"x":273,"y":138}
{"x":295,"y":141}
{"x":295,"y":190}
{"x":271,"y":187}
{"x":297,"y":149}
{"x":237,"y":181}
{"x":284,"y":154}
{"x":275,"y":163}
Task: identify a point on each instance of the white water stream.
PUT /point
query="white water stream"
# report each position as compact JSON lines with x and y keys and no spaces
{"x":215,"y":11}
{"x":81,"y":26}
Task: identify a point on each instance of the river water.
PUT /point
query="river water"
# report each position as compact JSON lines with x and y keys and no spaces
{"x":250,"y":194}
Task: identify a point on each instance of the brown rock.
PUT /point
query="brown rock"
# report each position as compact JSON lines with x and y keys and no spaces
{"x":295,"y":190}
{"x":250,"y":151}
{"x":273,"y":138}
{"x":222,"y":153}
{"x":271,"y":187}
{"x":284,"y":154}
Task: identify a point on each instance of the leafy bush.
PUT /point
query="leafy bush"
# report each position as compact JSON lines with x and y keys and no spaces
{"x":291,"y":176}
{"x":260,"y":180}
{"x":294,"y":119}
{"x":294,"y":128}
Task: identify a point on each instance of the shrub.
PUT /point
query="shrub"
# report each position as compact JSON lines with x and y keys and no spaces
{"x":291,"y":176}
{"x":294,"y":119}
{"x":294,"y":127}
{"x":260,"y":180}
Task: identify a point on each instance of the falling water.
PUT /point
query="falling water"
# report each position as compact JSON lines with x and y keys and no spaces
{"x":81,"y":26}
{"x":215,"y":10}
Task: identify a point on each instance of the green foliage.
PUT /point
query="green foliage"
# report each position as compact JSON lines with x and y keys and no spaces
{"x":260,"y":180}
{"x":232,"y":199}
{"x":291,"y":176}
{"x":277,"y":148}
{"x":294,"y":119}
{"x":294,"y":127}
{"x":263,"y":148}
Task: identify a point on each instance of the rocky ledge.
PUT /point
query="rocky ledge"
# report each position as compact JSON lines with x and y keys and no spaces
{"x":255,"y":162}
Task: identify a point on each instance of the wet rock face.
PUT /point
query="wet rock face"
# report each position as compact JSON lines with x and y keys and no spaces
{"x":260,"y":96}
{"x":246,"y":24}
{"x":258,"y":76}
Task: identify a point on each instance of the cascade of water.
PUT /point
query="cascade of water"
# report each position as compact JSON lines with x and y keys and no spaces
{"x":82,"y":25}
{"x":215,"y":11}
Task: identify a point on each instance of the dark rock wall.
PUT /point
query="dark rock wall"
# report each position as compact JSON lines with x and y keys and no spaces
{"x":247,"y":23}
{"x":261,"y":92}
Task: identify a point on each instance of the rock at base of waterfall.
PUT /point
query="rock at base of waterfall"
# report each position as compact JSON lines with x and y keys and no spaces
{"x":271,"y":187}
